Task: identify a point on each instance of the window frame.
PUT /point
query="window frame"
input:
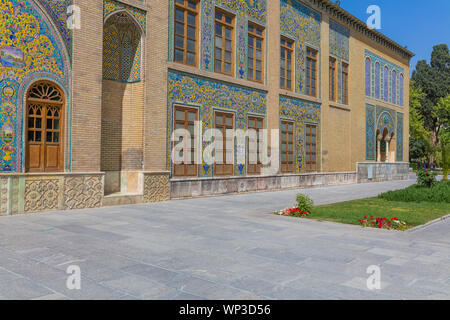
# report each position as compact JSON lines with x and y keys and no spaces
{"x":186,"y":110}
{"x":287,"y":49}
{"x":368,"y":76}
{"x":261,"y":37}
{"x":345,"y":82}
{"x":394,"y":87}
{"x":285,"y":164}
{"x":258,"y":166}
{"x":224,"y":25}
{"x":224,"y":126}
{"x":310,"y":58}
{"x":186,"y":10}
{"x":333,"y":79}
{"x":311,"y":166}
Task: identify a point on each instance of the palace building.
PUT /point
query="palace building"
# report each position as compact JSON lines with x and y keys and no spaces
{"x":91,"y":91}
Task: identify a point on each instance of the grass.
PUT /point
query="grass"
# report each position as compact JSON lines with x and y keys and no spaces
{"x":411,"y":212}
{"x":440,"y":192}
{"x":415,"y":206}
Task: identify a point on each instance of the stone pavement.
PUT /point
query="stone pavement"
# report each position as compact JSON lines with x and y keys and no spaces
{"x":229,"y":247}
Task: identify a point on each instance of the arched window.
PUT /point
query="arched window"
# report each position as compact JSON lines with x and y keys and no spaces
{"x":377,"y":81}
{"x":386,"y":84}
{"x":368,"y":80}
{"x":401,"y":89}
{"x":394,"y":87}
{"x":44,"y":128}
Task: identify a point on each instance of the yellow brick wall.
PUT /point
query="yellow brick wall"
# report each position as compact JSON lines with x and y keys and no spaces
{"x":144,"y":113}
{"x":155,"y":110}
{"x":122,"y":125}
{"x":87,"y":87}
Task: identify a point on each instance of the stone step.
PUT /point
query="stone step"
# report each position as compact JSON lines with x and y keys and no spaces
{"x":120,"y":199}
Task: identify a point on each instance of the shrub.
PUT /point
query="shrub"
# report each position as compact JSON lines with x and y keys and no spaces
{"x":425,"y":178}
{"x":304,"y":203}
{"x":439,"y":192}
{"x":414,"y":166}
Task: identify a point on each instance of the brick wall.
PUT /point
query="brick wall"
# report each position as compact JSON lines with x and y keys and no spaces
{"x":122,"y":125}
{"x":143,"y":125}
{"x":87,"y":87}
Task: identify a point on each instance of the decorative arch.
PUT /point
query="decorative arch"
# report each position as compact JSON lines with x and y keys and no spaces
{"x":386,"y":122}
{"x":122,"y":47}
{"x":58,"y":15}
{"x":110,"y":7}
{"x":34,"y":49}
{"x":130,"y":15}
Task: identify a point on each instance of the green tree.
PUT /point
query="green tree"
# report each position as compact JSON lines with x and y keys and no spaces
{"x":443,"y":113}
{"x":419,"y":136}
{"x":434,"y":81}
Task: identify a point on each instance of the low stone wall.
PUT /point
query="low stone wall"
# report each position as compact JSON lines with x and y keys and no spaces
{"x":378,"y":172}
{"x":24,"y":193}
{"x":203,"y":187}
{"x":156,"y":186}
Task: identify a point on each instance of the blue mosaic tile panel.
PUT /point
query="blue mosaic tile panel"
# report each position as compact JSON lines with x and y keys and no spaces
{"x":208,"y":95}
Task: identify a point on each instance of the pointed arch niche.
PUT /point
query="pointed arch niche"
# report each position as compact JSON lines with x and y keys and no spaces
{"x":386,"y":140}
{"x":122,"y":103}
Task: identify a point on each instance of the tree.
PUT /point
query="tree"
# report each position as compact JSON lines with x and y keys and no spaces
{"x":419,"y":136}
{"x":443,"y":113}
{"x":434,"y":81}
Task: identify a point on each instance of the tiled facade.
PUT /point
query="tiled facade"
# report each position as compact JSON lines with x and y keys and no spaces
{"x":120,"y":81}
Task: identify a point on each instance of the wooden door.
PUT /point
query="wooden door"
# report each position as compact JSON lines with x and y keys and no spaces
{"x":44,"y":129}
{"x":223,"y":156}
{"x":311,"y":148}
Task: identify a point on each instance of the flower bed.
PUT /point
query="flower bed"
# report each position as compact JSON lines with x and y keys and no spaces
{"x":294,"y":212}
{"x":385,"y":223}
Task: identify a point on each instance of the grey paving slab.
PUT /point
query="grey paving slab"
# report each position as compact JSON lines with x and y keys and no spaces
{"x":22,"y":289}
{"x":6,"y":275}
{"x":229,"y":247}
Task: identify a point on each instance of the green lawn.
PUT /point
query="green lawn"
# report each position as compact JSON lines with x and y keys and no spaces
{"x":350,"y":212}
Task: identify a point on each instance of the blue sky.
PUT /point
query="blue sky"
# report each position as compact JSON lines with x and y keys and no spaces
{"x":418,"y":24}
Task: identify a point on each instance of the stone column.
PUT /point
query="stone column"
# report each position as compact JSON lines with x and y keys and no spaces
{"x":378,"y":150}
{"x":387,"y":151}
